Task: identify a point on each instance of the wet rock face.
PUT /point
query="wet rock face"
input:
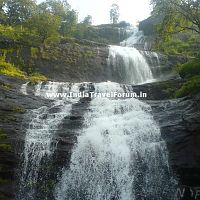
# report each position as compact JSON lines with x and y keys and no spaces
{"x":13,"y":106}
{"x":179,"y":121}
{"x":74,"y":63}
{"x":68,"y":61}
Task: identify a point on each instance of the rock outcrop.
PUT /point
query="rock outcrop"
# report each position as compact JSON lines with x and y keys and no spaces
{"x":13,"y":107}
{"x":179,"y":121}
{"x":148,"y":25}
{"x":69,"y":61}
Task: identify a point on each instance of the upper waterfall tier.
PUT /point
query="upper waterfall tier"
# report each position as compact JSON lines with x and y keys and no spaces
{"x":137,"y":40}
{"x":132,"y":62}
{"x":128,"y":65}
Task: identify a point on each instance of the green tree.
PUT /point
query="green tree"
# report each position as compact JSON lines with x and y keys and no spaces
{"x":18,"y":11}
{"x":45,"y":25}
{"x":87,"y":20}
{"x":114,"y":13}
{"x":3,"y":17}
{"x":69,"y":23}
{"x":177,"y":16}
{"x":61,"y":9}
{"x":55,"y":7}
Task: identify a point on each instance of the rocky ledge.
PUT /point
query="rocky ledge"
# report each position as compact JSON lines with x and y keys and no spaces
{"x":179,"y":121}
{"x":13,"y":107}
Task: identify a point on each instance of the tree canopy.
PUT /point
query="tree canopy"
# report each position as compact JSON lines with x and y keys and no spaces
{"x":87,"y":20}
{"x":19,"y":11}
{"x":46,"y":20}
{"x":69,"y":23}
{"x":55,"y":7}
{"x":45,"y":25}
{"x":52,"y":20}
{"x":177,"y":25}
{"x":177,"y":15}
{"x":114,"y":14}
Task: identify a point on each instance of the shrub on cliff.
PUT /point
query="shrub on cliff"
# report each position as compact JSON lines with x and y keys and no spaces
{"x":191,"y":87}
{"x":9,"y":69}
{"x":191,"y":72}
{"x":189,"y":69}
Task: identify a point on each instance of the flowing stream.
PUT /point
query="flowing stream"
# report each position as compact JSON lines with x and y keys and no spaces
{"x":119,"y":153}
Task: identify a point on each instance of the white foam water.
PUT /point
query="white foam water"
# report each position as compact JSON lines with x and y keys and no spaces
{"x":23,"y":88}
{"x":130,"y":65}
{"x":43,"y":124}
{"x":119,"y":154}
{"x":136,"y":38}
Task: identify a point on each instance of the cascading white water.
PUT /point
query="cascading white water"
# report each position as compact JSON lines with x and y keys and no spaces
{"x":136,"y":38}
{"x":23,"y":88}
{"x":129,"y":64}
{"x":44,"y":123}
{"x":119,"y":154}
{"x":133,"y":62}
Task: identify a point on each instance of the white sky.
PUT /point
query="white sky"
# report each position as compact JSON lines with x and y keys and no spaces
{"x":130,"y":10}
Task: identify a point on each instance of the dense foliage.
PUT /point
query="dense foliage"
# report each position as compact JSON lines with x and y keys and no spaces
{"x":191,"y":73}
{"x":190,"y":87}
{"x":177,"y":15}
{"x":114,"y":13}
{"x":189,"y":69}
{"x":48,"y":22}
{"x":26,"y":24}
{"x":178,"y":30}
{"x":38,"y":23}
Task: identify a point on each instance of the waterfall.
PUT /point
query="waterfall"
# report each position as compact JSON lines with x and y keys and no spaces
{"x":132,"y":62}
{"x":136,"y":38}
{"x":119,"y":154}
{"x":129,"y":65}
{"x":43,"y":124}
{"x":23,"y":88}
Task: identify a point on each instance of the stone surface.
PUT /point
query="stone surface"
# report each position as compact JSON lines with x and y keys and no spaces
{"x":148,"y":25}
{"x":13,"y":107}
{"x":179,"y":121}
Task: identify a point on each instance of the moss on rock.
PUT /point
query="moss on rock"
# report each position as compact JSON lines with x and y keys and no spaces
{"x":192,"y":86}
